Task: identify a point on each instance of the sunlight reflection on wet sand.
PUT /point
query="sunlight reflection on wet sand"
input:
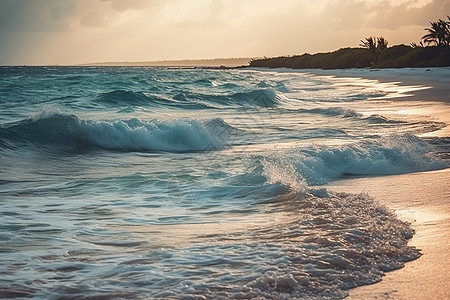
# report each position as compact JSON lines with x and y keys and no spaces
{"x":424,"y":200}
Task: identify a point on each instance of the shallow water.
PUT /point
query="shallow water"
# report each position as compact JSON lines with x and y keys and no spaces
{"x":151,"y":182}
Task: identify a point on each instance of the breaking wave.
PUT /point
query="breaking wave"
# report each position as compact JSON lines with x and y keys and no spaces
{"x":69,"y":131}
{"x":186,"y":99}
{"x":334,"y":111}
{"x":335,"y":242}
{"x":384,"y":156}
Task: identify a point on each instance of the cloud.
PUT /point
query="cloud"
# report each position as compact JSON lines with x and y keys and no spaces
{"x":121,"y":5}
{"x":391,"y":15}
{"x":65,"y":15}
{"x":327,"y":25}
{"x":108,"y":13}
{"x":44,"y":15}
{"x":77,"y":31}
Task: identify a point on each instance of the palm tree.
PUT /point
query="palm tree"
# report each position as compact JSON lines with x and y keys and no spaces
{"x":448,"y":31}
{"x":438,"y":33}
{"x":370,"y":44}
{"x":416,"y":45}
{"x":381,"y":43}
{"x":375,"y":46}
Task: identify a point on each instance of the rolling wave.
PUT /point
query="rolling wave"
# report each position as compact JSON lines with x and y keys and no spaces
{"x":121,"y":98}
{"x":124,"y":97}
{"x":347,"y":113}
{"x":333,"y":112}
{"x":254,"y":98}
{"x":391,"y":155}
{"x":261,"y":98}
{"x":186,"y":99}
{"x":64,"y":131}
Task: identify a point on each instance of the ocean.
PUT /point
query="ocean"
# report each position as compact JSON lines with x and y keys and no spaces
{"x":143,"y":183}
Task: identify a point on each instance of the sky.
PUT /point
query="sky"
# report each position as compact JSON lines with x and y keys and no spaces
{"x":64,"y":32}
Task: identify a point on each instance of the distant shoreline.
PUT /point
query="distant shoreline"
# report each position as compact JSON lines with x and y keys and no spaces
{"x":430,"y":84}
{"x":399,"y":56}
{"x":184,"y":63}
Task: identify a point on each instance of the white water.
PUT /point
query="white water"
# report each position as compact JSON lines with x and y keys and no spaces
{"x":141,"y":182}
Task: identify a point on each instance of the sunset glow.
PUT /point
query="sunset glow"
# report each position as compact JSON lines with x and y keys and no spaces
{"x":85,"y":31}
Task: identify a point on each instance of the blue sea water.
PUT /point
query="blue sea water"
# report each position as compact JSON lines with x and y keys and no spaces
{"x":138,"y":183}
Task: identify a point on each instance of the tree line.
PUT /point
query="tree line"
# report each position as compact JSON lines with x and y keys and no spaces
{"x":433,"y":50}
{"x":438,"y":33}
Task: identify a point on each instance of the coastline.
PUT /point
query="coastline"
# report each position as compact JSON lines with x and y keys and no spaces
{"x":433,"y":83}
{"x":178,"y":213}
{"x":422,"y":199}
{"x":427,"y":89}
{"x":428,"y":84}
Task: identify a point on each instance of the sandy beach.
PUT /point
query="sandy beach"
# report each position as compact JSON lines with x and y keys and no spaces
{"x":423,"y":199}
{"x":430,"y":84}
{"x":161,"y":183}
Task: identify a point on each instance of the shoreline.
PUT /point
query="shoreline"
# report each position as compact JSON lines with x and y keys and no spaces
{"x":422,"y":199}
{"x":428,"y":84}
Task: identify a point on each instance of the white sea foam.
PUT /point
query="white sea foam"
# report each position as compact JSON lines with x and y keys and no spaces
{"x":55,"y":129}
{"x":175,"y":136}
{"x":395,"y":154}
{"x":96,"y":204}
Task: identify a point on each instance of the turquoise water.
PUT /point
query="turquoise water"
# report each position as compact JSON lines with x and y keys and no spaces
{"x":169,"y":183}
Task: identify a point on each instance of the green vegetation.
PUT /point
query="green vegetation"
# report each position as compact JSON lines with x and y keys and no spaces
{"x":404,"y":56}
{"x":375,"y":46}
{"x":438,"y":33}
{"x":374,"y":52}
{"x":340,"y":59}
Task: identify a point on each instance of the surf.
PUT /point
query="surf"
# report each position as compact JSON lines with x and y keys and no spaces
{"x":69,"y":131}
{"x":153,"y":182}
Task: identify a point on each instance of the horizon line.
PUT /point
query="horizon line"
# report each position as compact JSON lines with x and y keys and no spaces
{"x":201,"y":62}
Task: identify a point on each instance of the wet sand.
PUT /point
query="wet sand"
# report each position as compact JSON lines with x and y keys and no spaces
{"x":430,"y":83}
{"x":423,"y":199}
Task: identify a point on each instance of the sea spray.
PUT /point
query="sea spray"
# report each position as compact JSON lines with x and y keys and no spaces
{"x":175,"y":136}
{"x":180,"y":135}
{"x":390,"y":155}
{"x":173,"y":183}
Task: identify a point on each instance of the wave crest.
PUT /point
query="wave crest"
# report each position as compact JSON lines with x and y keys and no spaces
{"x":391,"y":155}
{"x":261,"y":98}
{"x":123,"y":97}
{"x":186,"y":99}
{"x":175,"y":136}
{"x":69,"y":131}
